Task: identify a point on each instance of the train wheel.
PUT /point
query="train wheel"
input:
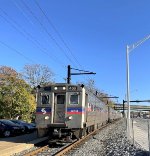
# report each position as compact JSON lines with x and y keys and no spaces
{"x":84,"y":133}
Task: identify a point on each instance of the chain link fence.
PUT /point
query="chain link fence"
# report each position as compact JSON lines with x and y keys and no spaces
{"x":140,"y":133}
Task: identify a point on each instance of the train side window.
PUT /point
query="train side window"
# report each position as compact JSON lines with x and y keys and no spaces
{"x":45,"y":99}
{"x":74,"y":99}
{"x":60,"y":99}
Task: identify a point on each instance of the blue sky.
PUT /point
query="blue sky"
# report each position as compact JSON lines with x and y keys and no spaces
{"x":95,"y":34}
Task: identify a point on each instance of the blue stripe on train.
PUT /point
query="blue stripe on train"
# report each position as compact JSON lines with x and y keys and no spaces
{"x":75,"y":110}
{"x":80,"y":109}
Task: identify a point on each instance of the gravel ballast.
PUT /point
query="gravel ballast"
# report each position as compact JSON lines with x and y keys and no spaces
{"x":111,"y":141}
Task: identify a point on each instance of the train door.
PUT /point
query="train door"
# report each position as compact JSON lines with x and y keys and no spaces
{"x":59,"y":108}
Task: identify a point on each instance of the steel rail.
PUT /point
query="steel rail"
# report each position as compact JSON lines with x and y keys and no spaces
{"x":78,"y":142}
{"x":35,"y":152}
{"x":71,"y":146}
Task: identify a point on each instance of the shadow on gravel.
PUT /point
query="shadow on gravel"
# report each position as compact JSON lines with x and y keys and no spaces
{"x":20,"y":138}
{"x":142,"y":153}
{"x":51,"y":145}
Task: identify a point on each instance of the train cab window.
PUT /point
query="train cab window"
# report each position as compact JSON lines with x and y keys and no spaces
{"x":74,"y":99}
{"x":45,"y":99}
{"x":60,"y":99}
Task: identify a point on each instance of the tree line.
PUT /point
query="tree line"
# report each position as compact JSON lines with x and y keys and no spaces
{"x":17,"y":90}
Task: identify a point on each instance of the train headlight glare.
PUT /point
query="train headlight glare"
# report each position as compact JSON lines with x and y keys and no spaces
{"x":55,"y":88}
{"x":46,"y":117}
{"x":64,"y":88}
{"x":70,"y":117}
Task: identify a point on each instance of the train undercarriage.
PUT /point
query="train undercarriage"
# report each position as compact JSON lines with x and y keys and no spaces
{"x":63,"y":134}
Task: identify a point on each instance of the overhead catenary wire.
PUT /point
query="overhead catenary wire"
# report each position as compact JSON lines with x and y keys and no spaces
{"x":21,"y":54}
{"x":80,"y":70}
{"x":50,"y":22}
{"x":57,"y":32}
{"x":24,"y":14}
{"x":43,"y":49}
{"x":29,"y":37}
{"x":16,"y":51}
{"x":52,"y":25}
{"x":20,"y":9}
{"x":59,"y":35}
{"x":24,"y":33}
{"x":47,"y":32}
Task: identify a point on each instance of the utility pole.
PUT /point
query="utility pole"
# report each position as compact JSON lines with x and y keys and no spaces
{"x":108,"y":111}
{"x":130,"y":48}
{"x":123,"y":108}
{"x":81,"y":73}
{"x":69,"y":75}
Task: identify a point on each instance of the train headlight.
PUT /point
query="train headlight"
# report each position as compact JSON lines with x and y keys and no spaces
{"x":46,"y":117}
{"x":64,"y":88}
{"x":55,"y":88}
{"x":70,"y":117}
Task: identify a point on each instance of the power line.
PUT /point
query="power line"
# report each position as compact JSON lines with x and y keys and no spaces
{"x":17,"y":5}
{"x":47,"y":32}
{"x":13,"y":24}
{"x":59,"y":35}
{"x":50,"y":22}
{"x":38,"y":43}
{"x":27,"y":35}
{"x":82,"y":72}
{"x":24,"y":33}
{"x":79,"y":70}
{"x":18,"y":52}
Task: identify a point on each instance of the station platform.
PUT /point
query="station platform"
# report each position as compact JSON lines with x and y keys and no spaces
{"x":12,"y":145}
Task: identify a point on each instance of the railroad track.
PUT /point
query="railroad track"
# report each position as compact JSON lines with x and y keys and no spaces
{"x":78,"y":142}
{"x":47,"y":150}
{"x":39,"y":150}
{"x":60,"y":151}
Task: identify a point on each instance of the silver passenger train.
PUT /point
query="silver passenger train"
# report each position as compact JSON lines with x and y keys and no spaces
{"x":66,"y":111}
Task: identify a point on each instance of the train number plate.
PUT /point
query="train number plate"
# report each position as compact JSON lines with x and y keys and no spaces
{"x":72,"y":88}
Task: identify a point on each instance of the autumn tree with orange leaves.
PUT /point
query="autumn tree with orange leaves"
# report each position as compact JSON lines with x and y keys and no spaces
{"x":15,"y":95}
